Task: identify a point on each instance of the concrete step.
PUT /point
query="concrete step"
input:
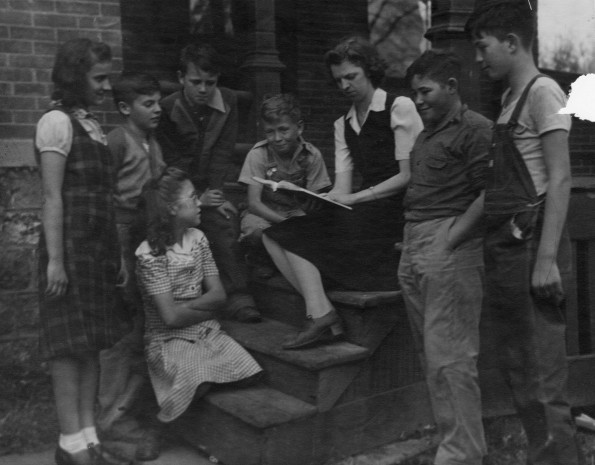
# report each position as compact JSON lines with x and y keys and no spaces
{"x":177,"y":455}
{"x":317,"y":375}
{"x":261,"y":426}
{"x":245,"y":426}
{"x":376,"y":321}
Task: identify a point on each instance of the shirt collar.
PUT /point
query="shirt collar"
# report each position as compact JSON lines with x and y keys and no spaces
{"x":454,"y":116}
{"x":301,"y":146}
{"x":81,"y":113}
{"x":377,"y":104}
{"x":215,"y":102}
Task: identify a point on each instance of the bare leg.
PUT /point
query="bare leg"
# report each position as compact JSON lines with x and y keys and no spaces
{"x":66,"y":380}
{"x":89,"y":380}
{"x":303,"y":276}
{"x":280,"y":258}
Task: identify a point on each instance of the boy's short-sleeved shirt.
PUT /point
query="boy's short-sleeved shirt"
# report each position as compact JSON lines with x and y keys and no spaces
{"x":305,"y":169}
{"x":136,"y":161}
{"x":538,"y":116}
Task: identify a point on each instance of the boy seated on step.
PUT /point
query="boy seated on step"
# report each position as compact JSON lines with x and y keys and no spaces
{"x":282,"y":156}
{"x":198,"y":131}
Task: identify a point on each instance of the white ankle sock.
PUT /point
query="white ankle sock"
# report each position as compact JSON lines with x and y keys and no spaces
{"x":90,"y":434}
{"x":73,"y":443}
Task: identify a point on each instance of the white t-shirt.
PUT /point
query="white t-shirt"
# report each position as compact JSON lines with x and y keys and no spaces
{"x":538,"y":116}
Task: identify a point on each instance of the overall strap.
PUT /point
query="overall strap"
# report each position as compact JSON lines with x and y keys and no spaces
{"x":513,"y":121}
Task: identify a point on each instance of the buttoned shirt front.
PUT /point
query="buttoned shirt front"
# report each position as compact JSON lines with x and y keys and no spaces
{"x":448,"y":166}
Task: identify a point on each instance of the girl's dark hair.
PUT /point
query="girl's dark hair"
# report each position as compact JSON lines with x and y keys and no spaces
{"x":156,"y":197}
{"x":360,"y":52}
{"x":202,"y":56}
{"x":74,"y":60}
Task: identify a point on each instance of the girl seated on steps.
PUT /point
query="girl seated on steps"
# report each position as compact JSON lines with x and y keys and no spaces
{"x":186,"y":349}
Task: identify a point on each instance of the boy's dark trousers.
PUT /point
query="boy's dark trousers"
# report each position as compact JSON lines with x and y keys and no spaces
{"x":530,"y":338}
{"x":529,"y":332}
{"x":223,"y":235}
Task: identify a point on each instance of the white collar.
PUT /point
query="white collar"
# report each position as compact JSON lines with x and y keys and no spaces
{"x":377,"y":104}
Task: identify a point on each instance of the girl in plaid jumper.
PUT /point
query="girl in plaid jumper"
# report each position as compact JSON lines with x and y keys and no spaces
{"x":78,"y":253}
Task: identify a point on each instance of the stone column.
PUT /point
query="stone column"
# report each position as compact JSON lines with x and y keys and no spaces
{"x":262,"y":64}
{"x":448,"y":32}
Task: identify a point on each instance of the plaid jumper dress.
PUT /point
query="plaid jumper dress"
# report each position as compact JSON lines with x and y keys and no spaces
{"x":83,"y":319}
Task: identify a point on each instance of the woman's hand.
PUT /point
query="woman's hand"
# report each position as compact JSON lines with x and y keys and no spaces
{"x":57,"y":279}
{"x":345,"y":199}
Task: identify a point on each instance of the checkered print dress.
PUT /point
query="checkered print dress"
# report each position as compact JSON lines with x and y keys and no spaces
{"x":84,"y":318}
{"x":180,"y":359}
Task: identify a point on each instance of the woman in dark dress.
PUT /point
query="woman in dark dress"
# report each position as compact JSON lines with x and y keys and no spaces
{"x":352,"y":249}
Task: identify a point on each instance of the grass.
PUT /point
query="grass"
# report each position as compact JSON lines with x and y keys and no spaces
{"x":27,"y":416}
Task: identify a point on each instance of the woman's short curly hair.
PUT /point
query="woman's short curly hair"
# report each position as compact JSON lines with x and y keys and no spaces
{"x":360,"y":52}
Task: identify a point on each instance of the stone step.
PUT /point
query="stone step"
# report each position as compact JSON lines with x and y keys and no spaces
{"x":374,"y":320}
{"x":318,"y":375}
{"x":261,"y":426}
{"x":244,"y":426}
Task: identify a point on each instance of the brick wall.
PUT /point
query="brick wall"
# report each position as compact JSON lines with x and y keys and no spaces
{"x":303,"y":39}
{"x":30,"y":31}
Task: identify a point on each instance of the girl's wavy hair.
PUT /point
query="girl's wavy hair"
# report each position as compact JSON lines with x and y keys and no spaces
{"x":74,"y":60}
{"x":157,"y":195}
{"x":360,"y":52}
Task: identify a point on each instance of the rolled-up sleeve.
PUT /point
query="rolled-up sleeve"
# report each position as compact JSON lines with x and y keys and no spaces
{"x":406,"y":125}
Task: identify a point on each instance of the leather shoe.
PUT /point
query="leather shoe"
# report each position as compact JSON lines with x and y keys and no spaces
{"x":103,"y":456}
{"x":64,"y":458}
{"x":327,"y":328}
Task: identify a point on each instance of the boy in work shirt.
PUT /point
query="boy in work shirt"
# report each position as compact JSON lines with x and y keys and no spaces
{"x":138,"y":159}
{"x":441,"y":267}
{"x":198,"y":132}
{"x":283,"y":155}
{"x":527,"y":249}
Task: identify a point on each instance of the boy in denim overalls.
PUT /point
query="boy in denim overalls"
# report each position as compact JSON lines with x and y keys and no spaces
{"x":527,"y":249}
